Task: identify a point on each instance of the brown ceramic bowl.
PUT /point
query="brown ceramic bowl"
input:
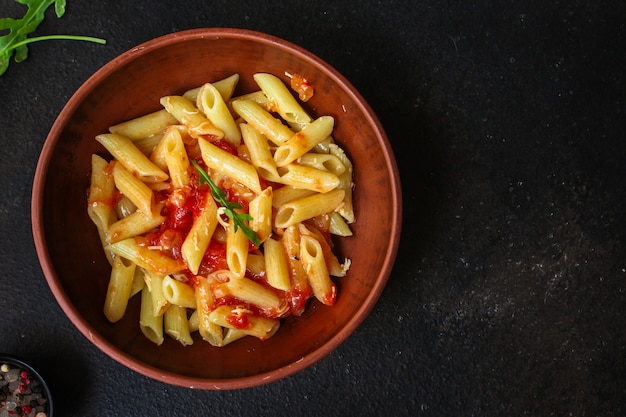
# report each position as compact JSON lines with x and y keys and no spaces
{"x":70,"y":252}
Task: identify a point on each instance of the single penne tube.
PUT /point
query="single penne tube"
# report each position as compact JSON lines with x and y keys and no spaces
{"x":236,"y":250}
{"x":255,"y":263}
{"x":252,"y":292}
{"x":258,"y":97}
{"x":178,"y":293}
{"x":259,"y":150}
{"x":118,"y":290}
{"x":285,"y":104}
{"x":322,"y":147}
{"x":260,"y":327}
{"x":151,"y":260}
{"x":187,"y":114}
{"x":312,"y":258}
{"x":209,"y":331}
{"x":158,"y":156}
{"x":276,"y":267}
{"x":134,"y":224}
{"x":230,"y":165}
{"x":176,"y":158}
{"x":307,"y":177}
{"x":124,"y":207}
{"x":193,"y":321}
{"x":144,"y":126}
{"x":101,"y":199}
{"x":291,"y":244}
{"x":211,"y":103}
{"x":225,"y":86}
{"x":333,"y":265}
{"x":260,"y":208}
{"x":131,"y":157}
{"x":305,"y":208}
{"x":132,"y":187}
{"x":138,"y":282}
{"x":232,"y":335}
{"x":197,"y":240}
{"x":345,"y":183}
{"x":154,"y":282}
{"x":257,"y":117}
{"x":338,"y":225}
{"x":176,"y":324}
{"x":288,"y":193}
{"x":151,"y":326}
{"x":148,"y":144}
{"x":322,"y":161}
{"x":304,"y":140}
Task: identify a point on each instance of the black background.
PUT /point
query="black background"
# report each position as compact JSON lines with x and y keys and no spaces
{"x":507,"y":120}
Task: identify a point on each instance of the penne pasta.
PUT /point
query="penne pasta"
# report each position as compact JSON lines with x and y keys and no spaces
{"x":144,"y":126}
{"x":236,"y":250}
{"x":211,"y":103}
{"x":259,"y":151}
{"x":219,"y":211}
{"x":195,"y":244}
{"x":176,"y":325}
{"x":315,"y":266}
{"x":138,"y":282}
{"x":345,"y":183}
{"x":178,"y":293}
{"x":210,"y":331}
{"x":232,"y":335}
{"x":187,"y":114}
{"x":263,"y":121}
{"x":154,"y":283}
{"x":260,"y":209}
{"x":238,"y":319}
{"x":291,"y":244}
{"x":258,"y":97}
{"x":276,"y":265}
{"x":151,"y":326}
{"x":131,"y":157}
{"x":147,"y":145}
{"x":134,"y":224}
{"x":101,"y":199}
{"x":119,"y":288}
{"x":225,"y":86}
{"x":297,"y":211}
{"x":289,"y":193}
{"x":322,"y":161}
{"x":308,"y":178}
{"x":151,"y":260}
{"x":133,"y":188}
{"x":304,"y":140}
{"x":338,"y":225}
{"x":252,"y":292}
{"x":283,"y":102}
{"x":229,"y":165}
{"x":176,"y":158}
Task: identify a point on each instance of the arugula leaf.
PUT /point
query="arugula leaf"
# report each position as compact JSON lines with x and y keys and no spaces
{"x":16,"y":41}
{"x":229,"y":207}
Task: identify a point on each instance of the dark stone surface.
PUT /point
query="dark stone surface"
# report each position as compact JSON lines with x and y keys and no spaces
{"x":508,"y":295}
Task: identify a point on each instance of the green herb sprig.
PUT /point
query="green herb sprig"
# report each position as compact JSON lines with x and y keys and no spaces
{"x":229,"y":207}
{"x":16,"y":41}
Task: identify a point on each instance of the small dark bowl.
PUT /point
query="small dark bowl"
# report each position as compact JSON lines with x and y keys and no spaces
{"x":32,"y":376}
{"x":70,"y":252}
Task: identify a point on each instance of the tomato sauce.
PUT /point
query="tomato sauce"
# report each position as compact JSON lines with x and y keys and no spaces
{"x":180,"y":207}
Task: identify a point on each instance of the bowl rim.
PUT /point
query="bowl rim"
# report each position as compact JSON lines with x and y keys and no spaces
{"x":16,"y":360}
{"x":146,"y":369}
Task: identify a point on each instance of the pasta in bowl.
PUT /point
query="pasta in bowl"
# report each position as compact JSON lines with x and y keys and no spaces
{"x":237,"y":198}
